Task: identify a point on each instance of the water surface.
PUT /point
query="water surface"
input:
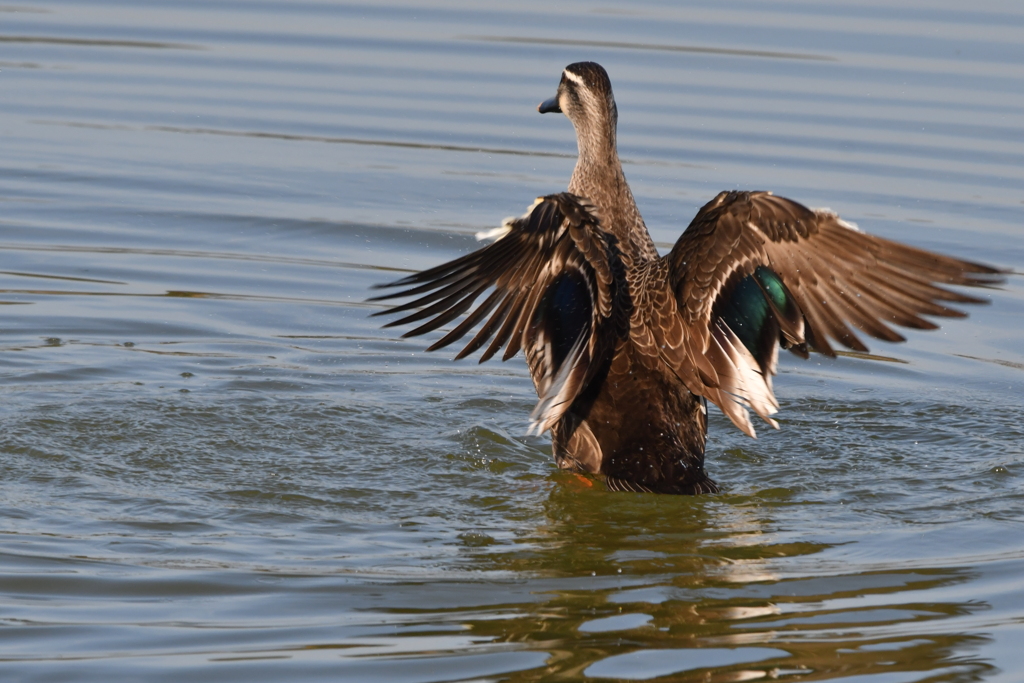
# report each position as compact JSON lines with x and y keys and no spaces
{"x":214,"y":466}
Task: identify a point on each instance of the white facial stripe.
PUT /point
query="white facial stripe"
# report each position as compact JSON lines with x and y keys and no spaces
{"x":572,"y":77}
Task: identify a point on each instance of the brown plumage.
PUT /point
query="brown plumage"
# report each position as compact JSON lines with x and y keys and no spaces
{"x":625,"y":346}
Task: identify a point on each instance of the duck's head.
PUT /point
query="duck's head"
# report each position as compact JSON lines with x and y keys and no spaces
{"x":585,"y":96}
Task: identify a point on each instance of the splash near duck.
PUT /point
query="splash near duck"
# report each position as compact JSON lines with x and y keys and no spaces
{"x":626,"y":346}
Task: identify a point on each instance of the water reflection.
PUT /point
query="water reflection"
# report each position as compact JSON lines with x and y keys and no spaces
{"x":809,"y":635}
{"x":628,"y":587}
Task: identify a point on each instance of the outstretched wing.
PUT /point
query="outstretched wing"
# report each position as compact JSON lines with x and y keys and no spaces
{"x":555,"y":276}
{"x":754,"y":271}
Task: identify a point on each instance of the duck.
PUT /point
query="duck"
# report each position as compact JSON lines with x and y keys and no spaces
{"x":626,"y":346}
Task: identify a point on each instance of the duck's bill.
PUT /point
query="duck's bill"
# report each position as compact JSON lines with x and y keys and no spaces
{"x":549,"y":106}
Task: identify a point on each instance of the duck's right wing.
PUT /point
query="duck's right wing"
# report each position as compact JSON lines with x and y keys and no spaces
{"x":555,"y":276}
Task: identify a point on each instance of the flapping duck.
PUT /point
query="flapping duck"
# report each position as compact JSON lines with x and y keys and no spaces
{"x":626,"y":346}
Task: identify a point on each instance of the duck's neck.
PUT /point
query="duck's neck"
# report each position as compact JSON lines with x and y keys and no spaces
{"x":598,"y":177}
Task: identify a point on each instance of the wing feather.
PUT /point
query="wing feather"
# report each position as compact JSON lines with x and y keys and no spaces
{"x":834,"y":279}
{"x":485,"y":332}
{"x":560,"y":234}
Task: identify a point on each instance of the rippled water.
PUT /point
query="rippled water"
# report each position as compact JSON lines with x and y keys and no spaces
{"x":214,"y":466}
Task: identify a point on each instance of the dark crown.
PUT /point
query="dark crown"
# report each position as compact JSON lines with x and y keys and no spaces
{"x":593,"y":76}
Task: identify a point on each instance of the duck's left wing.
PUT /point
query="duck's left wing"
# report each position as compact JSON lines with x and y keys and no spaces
{"x":555,"y":276}
{"x":754,"y":271}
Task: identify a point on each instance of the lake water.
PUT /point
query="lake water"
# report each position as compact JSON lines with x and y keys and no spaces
{"x":215,"y":467}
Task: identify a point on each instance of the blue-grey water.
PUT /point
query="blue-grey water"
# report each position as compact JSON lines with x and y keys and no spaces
{"x":215,"y":467}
